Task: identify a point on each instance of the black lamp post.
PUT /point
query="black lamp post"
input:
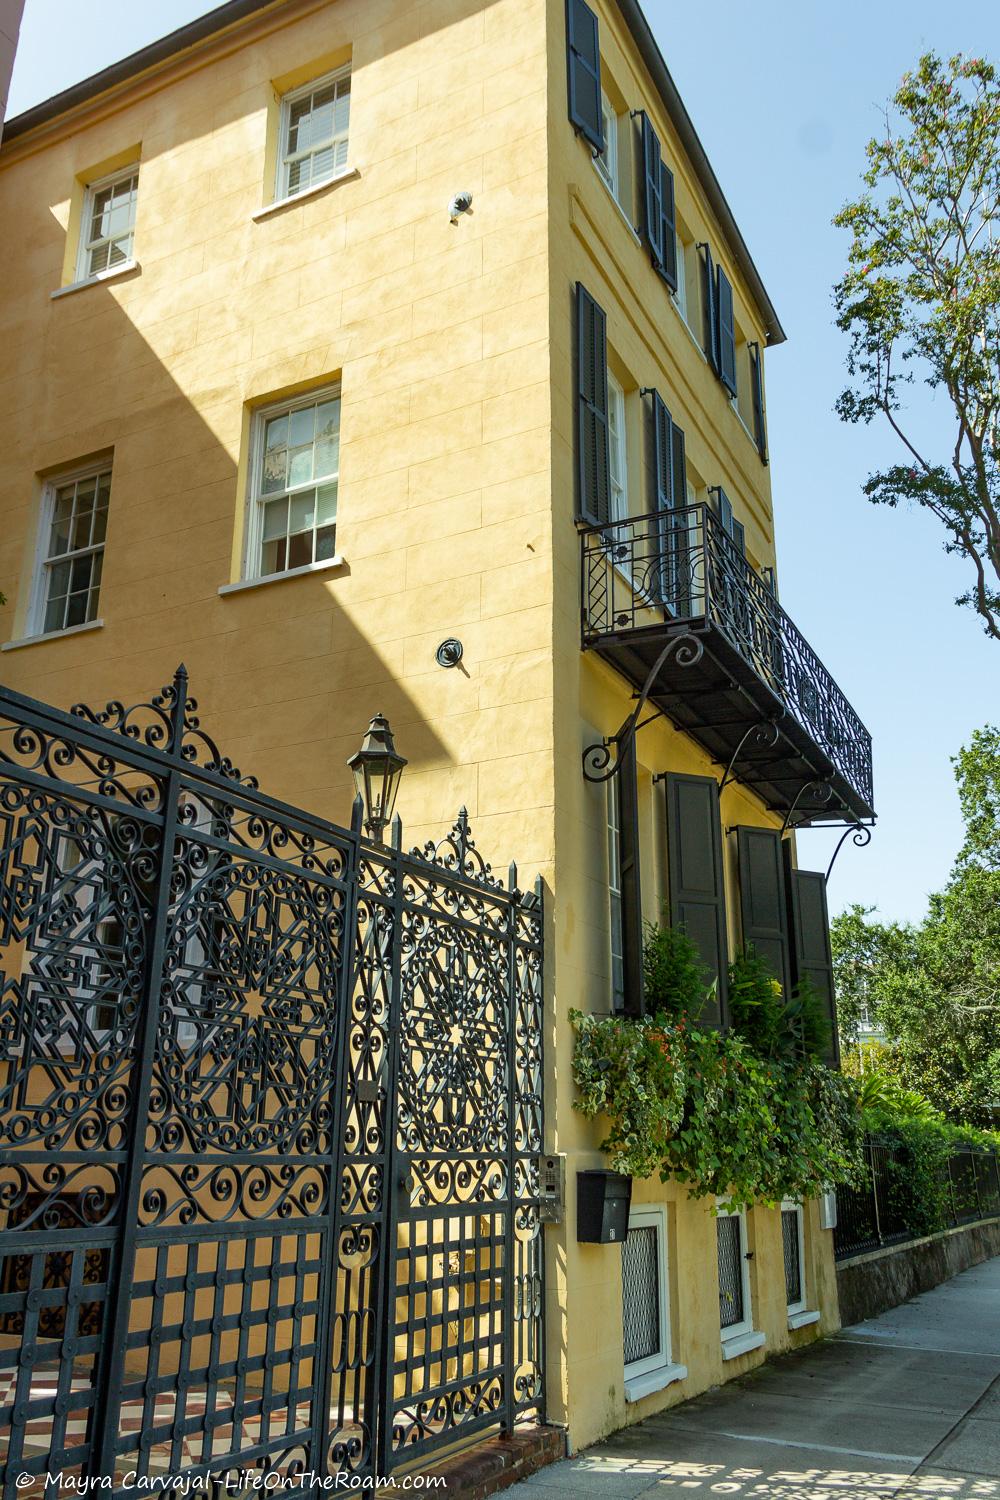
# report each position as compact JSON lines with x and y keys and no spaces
{"x":377,"y":768}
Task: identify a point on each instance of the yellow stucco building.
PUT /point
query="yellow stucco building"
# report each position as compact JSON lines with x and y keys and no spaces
{"x":334,"y":330}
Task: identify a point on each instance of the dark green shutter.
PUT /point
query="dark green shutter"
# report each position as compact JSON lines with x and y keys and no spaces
{"x":763,"y":903}
{"x":584,"y":62}
{"x":593,"y":475}
{"x":627,"y":778}
{"x":811,"y":955}
{"x":727,"y":331}
{"x":668,"y":266}
{"x":757,"y":393}
{"x":664,"y":574}
{"x":711,"y":310}
{"x":679,"y":468}
{"x":734,"y":529}
{"x":697,"y":880}
{"x":652,"y":171}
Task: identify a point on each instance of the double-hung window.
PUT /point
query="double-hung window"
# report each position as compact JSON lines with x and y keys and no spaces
{"x":108,"y":225}
{"x":293,"y":502}
{"x":606,"y":161}
{"x":314,"y":126}
{"x":646,"y":1304}
{"x":74,"y":524}
{"x":735,"y":1299}
{"x":617,"y":451}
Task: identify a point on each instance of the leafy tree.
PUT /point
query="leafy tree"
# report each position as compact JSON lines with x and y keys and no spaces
{"x":934,"y":987}
{"x":921,"y":295}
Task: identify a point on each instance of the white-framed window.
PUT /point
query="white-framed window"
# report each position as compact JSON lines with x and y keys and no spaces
{"x":617,"y":451}
{"x":108,"y":225}
{"x":794,"y":1251}
{"x":646,"y":1303}
{"x":615,"y":899}
{"x":293,"y":486}
{"x":314,"y":128}
{"x":607,"y":162}
{"x":681,"y":293}
{"x":74,"y":524}
{"x":735,"y":1303}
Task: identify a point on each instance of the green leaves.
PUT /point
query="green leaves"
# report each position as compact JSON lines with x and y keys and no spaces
{"x":921,"y":298}
{"x":708,"y":1110}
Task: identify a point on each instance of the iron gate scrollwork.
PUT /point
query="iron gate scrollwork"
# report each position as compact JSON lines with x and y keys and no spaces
{"x":270,"y":1103}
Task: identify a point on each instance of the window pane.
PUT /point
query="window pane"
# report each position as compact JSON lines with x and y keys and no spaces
{"x":326,"y":543}
{"x":100,"y":525}
{"x":273,"y":478}
{"x":59,"y":579}
{"x":326,"y":503}
{"x":300,"y":549}
{"x":275,"y":519}
{"x":76,"y":609}
{"x":323,"y":164}
{"x":276,"y":433}
{"x":59,"y":536}
{"x":80,"y":575}
{"x":54,"y":614}
{"x":119,"y":252}
{"x":302,"y":512}
{"x":96,"y":568}
{"x":98,"y":260}
{"x":301,"y":426}
{"x":272,"y":559}
{"x":298,"y":175}
{"x":300,"y":466}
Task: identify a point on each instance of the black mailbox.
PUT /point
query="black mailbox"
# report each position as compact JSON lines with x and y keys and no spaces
{"x":603,"y":1200}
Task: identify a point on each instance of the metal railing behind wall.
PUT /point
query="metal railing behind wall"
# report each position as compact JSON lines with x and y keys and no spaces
{"x":874,"y":1213}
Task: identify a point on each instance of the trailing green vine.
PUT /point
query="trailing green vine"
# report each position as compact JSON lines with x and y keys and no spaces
{"x":754,"y":1116}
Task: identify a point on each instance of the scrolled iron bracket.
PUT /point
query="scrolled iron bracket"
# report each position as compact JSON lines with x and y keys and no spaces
{"x":598,"y":765}
{"x":860,"y":835}
{"x":824,"y":793}
{"x":764,"y":734}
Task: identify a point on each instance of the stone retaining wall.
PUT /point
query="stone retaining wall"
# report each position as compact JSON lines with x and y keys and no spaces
{"x":870,"y":1284}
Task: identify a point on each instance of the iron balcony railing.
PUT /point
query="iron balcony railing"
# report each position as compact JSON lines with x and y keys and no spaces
{"x":646,"y":572}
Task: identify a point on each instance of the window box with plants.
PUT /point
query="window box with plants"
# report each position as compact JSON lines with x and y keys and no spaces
{"x":752,"y":1114}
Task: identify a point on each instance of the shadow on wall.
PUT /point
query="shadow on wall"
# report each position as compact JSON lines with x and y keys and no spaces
{"x":285,"y":679}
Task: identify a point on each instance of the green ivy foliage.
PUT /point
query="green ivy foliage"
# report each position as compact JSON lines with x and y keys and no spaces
{"x":672,"y":971}
{"x":707,"y":1109}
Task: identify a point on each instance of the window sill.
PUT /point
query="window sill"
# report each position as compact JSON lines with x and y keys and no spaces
{"x":742,"y":1344}
{"x":326,"y":566}
{"x":115,"y":272}
{"x":346,"y":175}
{"x":52,"y":635}
{"x":802,"y":1319}
{"x":654,"y":1380}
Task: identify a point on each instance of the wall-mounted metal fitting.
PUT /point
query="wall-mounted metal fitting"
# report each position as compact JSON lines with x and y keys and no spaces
{"x":460,"y":204}
{"x":449,"y":653}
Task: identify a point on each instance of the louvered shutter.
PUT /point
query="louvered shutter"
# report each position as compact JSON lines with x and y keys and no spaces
{"x":664,"y":580}
{"x":668,"y":267}
{"x":726,"y":331}
{"x":697,"y":881}
{"x":593,"y":476}
{"x":652,"y":171}
{"x":763,"y":904}
{"x":812,"y":958}
{"x":757,"y":394}
{"x":711,"y":311}
{"x":584,"y":63}
{"x":629,"y":876}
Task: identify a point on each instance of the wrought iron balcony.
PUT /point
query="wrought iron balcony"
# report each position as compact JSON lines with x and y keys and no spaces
{"x":758,"y":697}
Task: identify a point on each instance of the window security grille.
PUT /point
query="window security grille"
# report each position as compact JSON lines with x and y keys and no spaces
{"x":641,"y":1294}
{"x":730,"y":1243}
{"x":793,"y":1264}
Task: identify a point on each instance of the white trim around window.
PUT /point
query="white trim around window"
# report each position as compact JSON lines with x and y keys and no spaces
{"x":606,"y":161}
{"x":294,"y":475}
{"x":69,"y":554}
{"x":313,"y":134}
{"x":735,"y":1293}
{"x":646,"y":1304}
{"x":799,"y":1314}
{"x":107,"y":225}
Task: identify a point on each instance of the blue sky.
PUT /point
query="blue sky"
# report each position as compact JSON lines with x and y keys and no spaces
{"x":784,"y":97}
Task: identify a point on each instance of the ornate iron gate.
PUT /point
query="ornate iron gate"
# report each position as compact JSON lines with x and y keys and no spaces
{"x":270,"y":1106}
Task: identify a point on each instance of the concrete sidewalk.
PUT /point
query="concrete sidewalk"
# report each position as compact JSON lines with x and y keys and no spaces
{"x":908,"y":1403}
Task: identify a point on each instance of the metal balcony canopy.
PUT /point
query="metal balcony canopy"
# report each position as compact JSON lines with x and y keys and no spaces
{"x":757,"y":697}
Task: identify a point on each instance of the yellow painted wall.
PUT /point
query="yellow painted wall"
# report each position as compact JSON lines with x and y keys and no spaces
{"x":453,"y":346}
